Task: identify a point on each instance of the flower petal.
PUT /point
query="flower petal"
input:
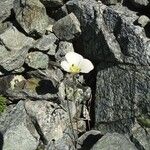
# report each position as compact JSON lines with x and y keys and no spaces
{"x":65,"y":65}
{"x":86,"y":66}
{"x":73,"y":58}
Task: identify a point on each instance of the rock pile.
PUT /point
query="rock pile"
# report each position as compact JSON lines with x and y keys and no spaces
{"x":46,"y":108}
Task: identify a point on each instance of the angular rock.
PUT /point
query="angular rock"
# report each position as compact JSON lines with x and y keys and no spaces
{"x":67,"y":28}
{"x":52,"y":3}
{"x":143,"y":20}
{"x":114,"y":141}
{"x":18,"y":132}
{"x":65,"y":143}
{"x":109,"y":34}
{"x":5,"y":9}
{"x":47,"y":43}
{"x":63,"y":48}
{"x":132,"y":40}
{"x":15,"y":59}
{"x":140,"y":3}
{"x":141,"y":137}
{"x":37,"y":60}
{"x":119,"y":96}
{"x":50,"y":118}
{"x":15,"y":40}
{"x":31,"y":15}
{"x":3,"y":52}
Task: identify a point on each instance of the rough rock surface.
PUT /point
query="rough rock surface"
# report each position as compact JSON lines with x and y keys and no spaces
{"x":14,"y":59}
{"x":118,"y":88}
{"x":140,"y":3}
{"x":5,"y":9}
{"x":50,"y":118}
{"x":18,"y":125}
{"x":114,"y":141}
{"x":67,"y":28}
{"x":37,"y":60}
{"x":47,"y":42}
{"x":63,"y":48}
{"x":143,"y":20}
{"x":141,"y":137}
{"x":31,"y":15}
{"x":14,"y":40}
{"x":48,"y":108}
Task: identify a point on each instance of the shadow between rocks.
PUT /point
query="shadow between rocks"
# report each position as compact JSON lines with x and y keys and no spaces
{"x":90,"y":141}
{"x":1,"y":141}
{"x":46,"y":86}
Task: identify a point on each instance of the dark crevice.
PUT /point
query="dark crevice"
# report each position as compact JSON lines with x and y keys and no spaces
{"x":141,"y":10}
{"x":12,"y":19}
{"x":90,"y":141}
{"x":137,"y":143}
{"x":38,"y":129}
{"x":147,"y":30}
{"x":46,"y":86}
{"x":90,"y":80}
{"x":1,"y":141}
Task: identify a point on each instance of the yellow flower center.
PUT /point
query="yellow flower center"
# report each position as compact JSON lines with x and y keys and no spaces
{"x":74,"y":69}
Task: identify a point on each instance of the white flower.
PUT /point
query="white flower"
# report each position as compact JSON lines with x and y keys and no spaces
{"x":75,"y":63}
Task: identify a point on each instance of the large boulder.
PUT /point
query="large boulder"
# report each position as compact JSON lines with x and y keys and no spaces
{"x":119,"y":96}
{"x":141,"y":137}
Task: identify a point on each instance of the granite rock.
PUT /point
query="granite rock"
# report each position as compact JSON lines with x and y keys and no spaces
{"x":15,"y":40}
{"x":32,"y":17}
{"x":50,"y":118}
{"x":18,"y":131}
{"x":67,"y":28}
{"x":5,"y":9}
{"x":63,"y":48}
{"x":143,"y":20}
{"x":114,"y":141}
{"x":47,"y":43}
{"x":37,"y":60}
{"x":140,"y":3}
{"x":14,"y":59}
{"x":119,"y":96}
